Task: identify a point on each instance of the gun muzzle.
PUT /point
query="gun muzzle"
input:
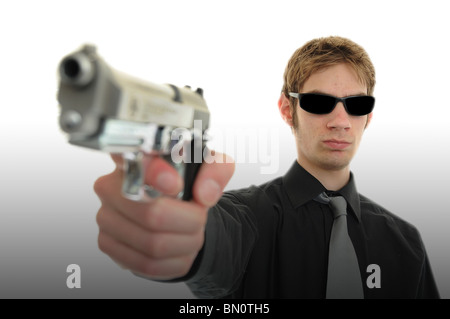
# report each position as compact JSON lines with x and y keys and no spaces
{"x":77,"y":69}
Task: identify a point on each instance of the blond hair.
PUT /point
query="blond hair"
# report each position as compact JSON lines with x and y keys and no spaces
{"x":321,"y":53}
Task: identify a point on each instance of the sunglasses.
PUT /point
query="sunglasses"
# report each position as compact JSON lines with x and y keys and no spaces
{"x":316,"y":103}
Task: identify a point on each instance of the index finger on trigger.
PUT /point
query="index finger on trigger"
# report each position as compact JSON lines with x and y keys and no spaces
{"x":162,"y":176}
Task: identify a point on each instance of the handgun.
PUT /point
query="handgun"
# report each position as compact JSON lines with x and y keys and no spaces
{"x":104,"y":109}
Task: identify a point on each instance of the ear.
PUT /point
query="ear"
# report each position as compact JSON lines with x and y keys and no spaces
{"x":369,"y":119}
{"x":285,"y":110}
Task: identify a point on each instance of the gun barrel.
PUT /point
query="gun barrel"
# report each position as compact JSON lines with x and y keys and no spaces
{"x":77,"y":69}
{"x":91,"y":93}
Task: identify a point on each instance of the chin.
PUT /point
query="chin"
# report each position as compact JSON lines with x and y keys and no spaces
{"x":335,"y":165}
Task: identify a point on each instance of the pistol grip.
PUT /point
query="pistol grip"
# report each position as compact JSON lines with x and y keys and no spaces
{"x":192,"y":168}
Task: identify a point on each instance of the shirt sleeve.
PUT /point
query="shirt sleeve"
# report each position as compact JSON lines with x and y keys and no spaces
{"x":230,"y":235}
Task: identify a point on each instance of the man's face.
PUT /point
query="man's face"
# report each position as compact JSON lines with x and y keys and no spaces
{"x":329,"y":141}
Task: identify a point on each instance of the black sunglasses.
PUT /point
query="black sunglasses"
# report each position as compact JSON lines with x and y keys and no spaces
{"x":323,"y":104}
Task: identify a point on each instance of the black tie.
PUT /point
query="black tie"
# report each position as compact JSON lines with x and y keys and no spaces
{"x":344,"y":277}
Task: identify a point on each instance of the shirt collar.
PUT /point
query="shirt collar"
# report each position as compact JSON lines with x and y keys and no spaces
{"x":302,"y":187}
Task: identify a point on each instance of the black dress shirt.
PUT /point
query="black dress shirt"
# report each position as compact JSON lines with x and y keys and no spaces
{"x":271,"y":241}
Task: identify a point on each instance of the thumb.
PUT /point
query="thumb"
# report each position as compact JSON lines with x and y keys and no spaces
{"x":213,"y":176}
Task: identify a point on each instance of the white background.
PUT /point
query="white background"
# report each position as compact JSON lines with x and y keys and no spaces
{"x":236,"y":51}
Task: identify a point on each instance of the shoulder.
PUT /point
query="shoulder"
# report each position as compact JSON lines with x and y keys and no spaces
{"x":382,"y":220}
{"x":370,"y":207}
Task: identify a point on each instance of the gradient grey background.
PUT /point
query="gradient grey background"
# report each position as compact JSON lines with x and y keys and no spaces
{"x":236,"y":51}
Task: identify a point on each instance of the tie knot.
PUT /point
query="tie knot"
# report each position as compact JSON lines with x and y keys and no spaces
{"x":338,"y":206}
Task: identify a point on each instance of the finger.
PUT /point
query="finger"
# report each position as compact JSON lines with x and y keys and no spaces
{"x":109,"y":186}
{"x":170,"y":215}
{"x":160,"y":269}
{"x":118,"y":159}
{"x":162,"y":176}
{"x":152,"y":244}
{"x":163,"y":214}
{"x":158,"y":173}
{"x":212,"y":178}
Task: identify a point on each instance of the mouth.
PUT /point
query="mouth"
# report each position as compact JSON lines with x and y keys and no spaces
{"x":337,"y":144}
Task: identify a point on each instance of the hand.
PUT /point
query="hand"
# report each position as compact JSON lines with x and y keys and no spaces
{"x":159,"y":239}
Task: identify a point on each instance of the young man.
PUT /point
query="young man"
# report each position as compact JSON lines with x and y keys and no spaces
{"x":274,"y":240}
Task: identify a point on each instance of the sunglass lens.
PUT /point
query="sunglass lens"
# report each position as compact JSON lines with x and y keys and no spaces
{"x":317,"y":104}
{"x":360,"y":105}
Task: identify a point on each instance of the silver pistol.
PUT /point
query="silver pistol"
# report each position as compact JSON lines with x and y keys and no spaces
{"x":104,"y":109}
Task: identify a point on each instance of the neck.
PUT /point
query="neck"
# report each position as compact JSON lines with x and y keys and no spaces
{"x":332,"y":180}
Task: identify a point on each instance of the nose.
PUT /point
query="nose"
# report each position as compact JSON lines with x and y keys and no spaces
{"x":339,"y":118}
